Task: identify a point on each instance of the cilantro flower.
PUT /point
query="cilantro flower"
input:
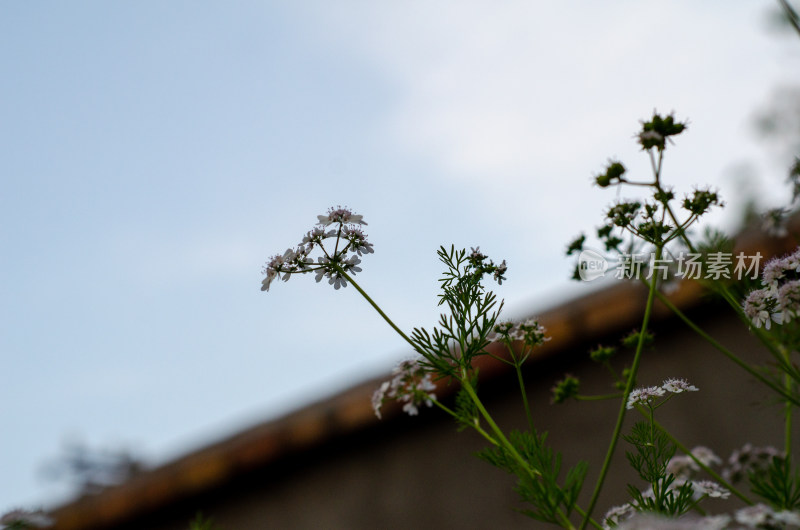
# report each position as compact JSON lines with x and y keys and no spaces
{"x":644,"y":395}
{"x":676,"y":386}
{"x":411,"y":385}
{"x":334,"y":264}
{"x":762,"y":308}
{"x":710,"y":488}
{"x":340,"y":215}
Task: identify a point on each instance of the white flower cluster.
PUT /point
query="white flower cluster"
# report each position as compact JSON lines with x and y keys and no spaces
{"x":19,"y":518}
{"x":645,"y":395}
{"x":758,"y":516}
{"x":779,"y":300}
{"x":331,"y":265}
{"x":531,"y":332}
{"x":749,"y":459}
{"x":411,"y":384}
{"x":761,"y":516}
{"x":685,"y":466}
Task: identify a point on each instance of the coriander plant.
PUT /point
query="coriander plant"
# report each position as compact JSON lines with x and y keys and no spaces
{"x":652,"y":240}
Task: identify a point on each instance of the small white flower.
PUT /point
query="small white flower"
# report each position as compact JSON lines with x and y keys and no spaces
{"x":644,"y":395}
{"x":748,"y":459}
{"x":682,"y":466}
{"x":410,"y":384}
{"x":753,"y":516}
{"x":358,"y":241}
{"x":789,"y":300}
{"x":676,"y":386}
{"x":476,"y":254}
{"x":618,"y":513}
{"x":710,"y":488}
{"x":351,"y":264}
{"x":340,"y":215}
{"x":499,"y":272}
{"x":706,"y":456}
{"x":337,"y":280}
{"x":787,"y":517}
{"x":378,"y":397}
{"x":761,"y":307}
{"x":775,"y":271}
{"x":714,"y":522}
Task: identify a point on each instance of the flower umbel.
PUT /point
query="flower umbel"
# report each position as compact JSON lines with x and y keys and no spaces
{"x":644,"y":396}
{"x":411,"y":385}
{"x":350,"y":243}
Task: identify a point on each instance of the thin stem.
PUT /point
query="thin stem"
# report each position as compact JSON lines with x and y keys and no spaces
{"x":703,"y":466}
{"x":788,"y":383}
{"x":475,"y":426}
{"x":518,"y":367}
{"x":730,"y":355}
{"x":376,"y":307}
{"x":623,"y":405}
{"x":791,"y":15}
{"x":592,"y":522}
{"x":465,"y":384}
{"x":524,"y":397}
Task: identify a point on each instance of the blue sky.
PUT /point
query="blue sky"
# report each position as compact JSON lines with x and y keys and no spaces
{"x":154,"y":154}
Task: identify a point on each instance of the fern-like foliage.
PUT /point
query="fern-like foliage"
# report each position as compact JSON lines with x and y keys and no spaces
{"x":551,"y":502}
{"x":779,"y":485}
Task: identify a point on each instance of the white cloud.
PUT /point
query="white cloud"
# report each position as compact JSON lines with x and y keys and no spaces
{"x":533,"y":97}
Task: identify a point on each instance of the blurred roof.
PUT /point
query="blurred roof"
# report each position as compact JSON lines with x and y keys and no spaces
{"x":578,"y":321}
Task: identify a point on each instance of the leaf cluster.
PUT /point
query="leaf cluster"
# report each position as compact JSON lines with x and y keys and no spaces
{"x":551,"y":501}
{"x":653,"y":451}
{"x":778,"y":484}
{"x":467,"y":414}
{"x":462,"y":334}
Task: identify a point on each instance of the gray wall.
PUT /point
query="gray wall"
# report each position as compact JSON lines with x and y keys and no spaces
{"x":420,"y":473}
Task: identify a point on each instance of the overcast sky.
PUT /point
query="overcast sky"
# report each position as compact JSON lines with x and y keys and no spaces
{"x":154,"y":154}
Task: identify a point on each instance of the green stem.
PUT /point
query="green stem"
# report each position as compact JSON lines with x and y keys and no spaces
{"x":475,"y":426}
{"x":465,"y":384}
{"x":730,"y":355}
{"x":592,"y":522}
{"x":788,"y":383}
{"x":623,"y":405}
{"x":697,"y":461}
{"x":376,"y":307}
{"x":518,"y":367}
{"x":524,"y":397}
